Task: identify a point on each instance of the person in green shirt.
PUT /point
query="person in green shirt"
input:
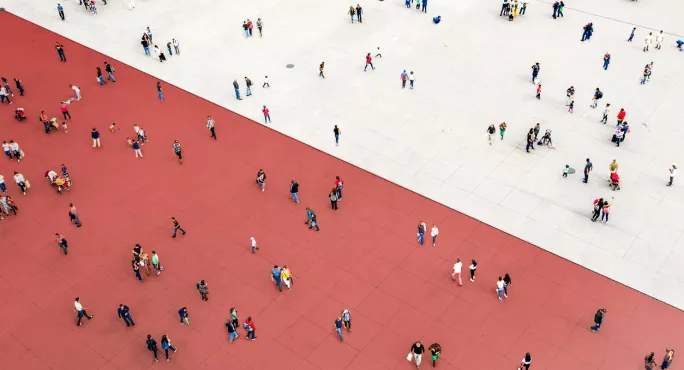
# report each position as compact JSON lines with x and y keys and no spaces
{"x":155,"y":263}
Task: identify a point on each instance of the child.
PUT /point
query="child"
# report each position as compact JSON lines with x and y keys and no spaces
{"x":64,"y":126}
{"x":566,"y":170}
{"x":112,"y":128}
{"x":539,"y":91}
{"x":572,"y":106}
{"x":130,"y":141}
{"x":266,"y":82}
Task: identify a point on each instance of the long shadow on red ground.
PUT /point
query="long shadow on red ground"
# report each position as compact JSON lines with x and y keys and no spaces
{"x":365,"y":258}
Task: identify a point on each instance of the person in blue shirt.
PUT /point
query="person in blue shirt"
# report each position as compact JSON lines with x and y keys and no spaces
{"x":679,"y":45}
{"x":437,"y":19}
{"x":125,"y":314}
{"x":338,"y":327}
{"x":60,"y":10}
{"x":425,"y":6}
{"x":275,"y":276}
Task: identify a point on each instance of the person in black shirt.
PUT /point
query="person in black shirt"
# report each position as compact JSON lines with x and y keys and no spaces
{"x":337,"y":133}
{"x":61,"y":242}
{"x":261,"y":179}
{"x":507,"y":281}
{"x":124,"y":313}
{"x":294,"y":189}
{"x":60,"y":51}
{"x":598,"y":319}
{"x":110,"y":72}
{"x":236,"y":86}
{"x":248,"y":82}
{"x":137,"y":251}
{"x":152,"y":346}
{"x":159,"y":91}
{"x":99,"y":76}
{"x":338,"y":327}
{"x":435,"y":350}
{"x":417,"y":350}
{"x":231,"y":331}
{"x":490,"y":132}
{"x":176,"y":227}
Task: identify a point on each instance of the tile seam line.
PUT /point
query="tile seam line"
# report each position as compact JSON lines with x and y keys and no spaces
{"x":611,"y":19}
{"x":340,"y":159}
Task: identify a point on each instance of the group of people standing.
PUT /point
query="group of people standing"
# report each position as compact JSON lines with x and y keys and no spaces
{"x":512,"y":9}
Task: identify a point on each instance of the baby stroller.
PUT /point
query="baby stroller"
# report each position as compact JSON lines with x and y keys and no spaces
{"x":62,"y":183}
{"x":19,"y":114}
{"x":615,"y":181}
{"x":546,"y":139}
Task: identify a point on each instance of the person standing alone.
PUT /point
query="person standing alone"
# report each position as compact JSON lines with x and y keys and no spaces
{"x":369,"y":61}
{"x":598,"y":319}
{"x":210,"y":126}
{"x":673,"y":173}
{"x":294,"y":189}
{"x":60,"y":10}
{"x":337,"y":133}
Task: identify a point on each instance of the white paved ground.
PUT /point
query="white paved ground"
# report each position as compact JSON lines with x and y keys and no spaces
{"x":473,"y":69}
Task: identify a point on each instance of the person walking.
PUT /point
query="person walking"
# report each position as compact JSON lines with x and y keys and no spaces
{"x":65,"y":110}
{"x":159,"y":91}
{"x":606,"y":112}
{"x":535,"y":71}
{"x":333,"y":199}
{"x":473,"y":268}
{"x":136,"y":148}
{"x":339,"y":185}
{"x":20,"y":87}
{"x":4,"y":95}
{"x":417,"y":350}
{"x":73,"y":215}
{"x":412,"y":80}
{"x":255,"y":247}
{"x":265,"y":82}
{"x":458,"y":266}
{"x":424,"y":6}
{"x":351,"y":13}
{"x":598,"y":319}
{"x":631,"y":35}
{"x":267,"y":114}
{"x":61,"y":241}
{"x":621,"y":116}
{"x":605,"y":212}
{"x":435,"y":350}
{"x":146,"y":46}
{"x":286,"y":277}
{"x":294,"y":189}
{"x":60,"y":51}
{"x":346,"y":320}
{"x":184,"y":316}
{"x":538,"y":96}
{"x":588,"y":167}
{"x":110,"y":71}
{"x":251,"y":329}
{"x":155,"y":263}
{"x":314,"y":221}
{"x":248,"y":83}
{"x":152,"y":346}
{"x":404,"y":77}
{"x":530,"y":141}
{"x":338,"y":327}
{"x":648,"y":41}
{"x":369,"y":61}
{"x":232,"y":331}
{"x":507,"y":282}
{"x":261,"y":179}
{"x":499,"y":288}
{"x":135,"y":264}
{"x":125,"y":313}
{"x":526,"y":362}
{"x":178,"y":150}
{"x":176,"y":227}
{"x":606,"y":61}
{"x":598,"y":206}
{"x":659,"y":40}
{"x":60,"y":10}
{"x":359,"y":13}
{"x":234,"y":316}
{"x":260,"y":27}
{"x":337,"y":132}
{"x":176,"y":46}
{"x":309,"y":214}
{"x":21,"y":181}
{"x":166,"y":346}
{"x":490,"y":132}
{"x":667,"y":360}
{"x":321,"y":69}
{"x":210,"y":126}
{"x":421,"y":232}
{"x":433,"y":233}
{"x":80,"y":311}
{"x":502,"y":129}
{"x":203,"y":290}
{"x":236,"y":86}
{"x":673,"y":173}
{"x":275,"y":277}
{"x":98,"y":71}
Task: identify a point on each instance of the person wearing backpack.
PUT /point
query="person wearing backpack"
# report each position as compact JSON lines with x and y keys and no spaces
{"x":152,"y":346}
{"x":166,"y":346}
{"x":597,"y":95}
{"x":250,"y":328}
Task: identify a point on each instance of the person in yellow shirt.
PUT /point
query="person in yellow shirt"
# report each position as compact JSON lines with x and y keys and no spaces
{"x":286,"y":276}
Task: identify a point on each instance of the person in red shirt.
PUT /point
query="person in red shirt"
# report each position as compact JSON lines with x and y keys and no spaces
{"x":250,"y":26}
{"x":621,"y":116}
{"x":338,"y":185}
{"x":539,"y":91}
{"x":267,"y":115}
{"x":251,"y":329}
{"x":65,"y":110}
{"x":369,"y":60}
{"x":46,"y":122}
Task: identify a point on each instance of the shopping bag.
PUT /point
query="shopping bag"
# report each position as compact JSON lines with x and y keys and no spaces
{"x":28,"y":184}
{"x":410,"y":356}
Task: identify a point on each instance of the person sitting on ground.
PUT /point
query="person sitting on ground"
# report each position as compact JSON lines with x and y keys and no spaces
{"x":679,"y":45}
{"x":437,"y":19}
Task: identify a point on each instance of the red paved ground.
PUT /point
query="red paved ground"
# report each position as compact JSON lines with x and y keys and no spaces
{"x":365,"y":258}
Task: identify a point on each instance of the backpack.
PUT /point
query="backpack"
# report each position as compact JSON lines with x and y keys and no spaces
{"x":165,"y":345}
{"x":600,"y":94}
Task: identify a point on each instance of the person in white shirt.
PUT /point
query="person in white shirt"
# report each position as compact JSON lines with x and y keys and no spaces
{"x":3,"y":95}
{"x":3,"y":187}
{"x":51,"y":175}
{"x":457,"y":271}
{"x":412,"y":79}
{"x":606,"y":111}
{"x":15,"y":150}
{"x":648,"y":41}
{"x":81,"y":311}
{"x":659,"y":40}
{"x":433,"y":233}
{"x":21,"y":181}
{"x":7,"y":149}
{"x":499,"y":288}
{"x":673,"y":173}
{"x":254,"y":245}
{"x":210,"y":126}
{"x":77,"y":90}
{"x":176,"y":46}
{"x":266,"y":82}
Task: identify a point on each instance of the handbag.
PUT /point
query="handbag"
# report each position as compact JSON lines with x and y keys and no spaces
{"x":28,"y":184}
